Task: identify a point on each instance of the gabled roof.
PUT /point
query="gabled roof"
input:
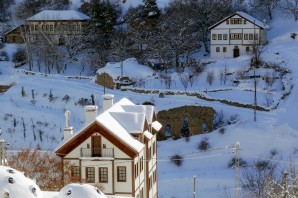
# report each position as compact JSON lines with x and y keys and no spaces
{"x":245,"y":16}
{"x":117,"y":124}
{"x":148,"y":110}
{"x":59,"y":15}
{"x":131,"y":122}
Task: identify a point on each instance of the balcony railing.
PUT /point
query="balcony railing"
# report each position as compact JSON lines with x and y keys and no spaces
{"x":97,"y":152}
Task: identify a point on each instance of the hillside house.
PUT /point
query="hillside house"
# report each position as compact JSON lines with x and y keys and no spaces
{"x":116,"y":149}
{"x":236,"y":35}
{"x":54,"y":25}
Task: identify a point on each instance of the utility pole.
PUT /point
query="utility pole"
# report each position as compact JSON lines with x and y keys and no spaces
{"x":255,"y":97}
{"x":194,"y":187}
{"x":237,"y":170}
{"x":2,"y":152}
{"x":104,"y":82}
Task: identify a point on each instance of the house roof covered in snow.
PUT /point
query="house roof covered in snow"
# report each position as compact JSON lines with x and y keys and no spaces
{"x":122,"y":120}
{"x":59,"y":15}
{"x":246,"y":16}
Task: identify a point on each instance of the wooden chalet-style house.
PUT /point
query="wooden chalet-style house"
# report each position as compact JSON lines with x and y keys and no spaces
{"x":236,"y":35}
{"x":116,"y":149}
{"x":54,"y":25}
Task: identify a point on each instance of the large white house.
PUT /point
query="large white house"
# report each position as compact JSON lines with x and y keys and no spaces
{"x":236,"y":35}
{"x":116,"y":149}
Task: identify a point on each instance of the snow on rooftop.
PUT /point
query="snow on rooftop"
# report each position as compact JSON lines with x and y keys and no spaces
{"x":252,"y":19}
{"x":148,"y":135}
{"x":131,"y":122}
{"x":53,"y":15}
{"x":17,"y":185}
{"x":131,"y":68}
{"x":108,"y":120}
{"x":156,"y":125}
{"x":79,"y":191}
{"x":146,"y":109}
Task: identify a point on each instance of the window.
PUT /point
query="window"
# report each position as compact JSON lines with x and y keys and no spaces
{"x":75,"y":171}
{"x":90,"y":174}
{"x":244,"y":21}
{"x":142,"y":193}
{"x":51,"y":28}
{"x":219,"y":36}
{"x":225,"y":37}
{"x":256,"y":37}
{"x":250,"y":36}
{"x":236,"y":21}
{"x":247,"y":49}
{"x":141,"y":164}
{"x":103,"y":174}
{"x":136,"y":170}
{"x":213,"y":36}
{"x":217,"y":49}
{"x":121,"y":174}
{"x":245,"y":36}
{"x":237,"y":36}
{"x":36,"y":27}
{"x":224,"y":49}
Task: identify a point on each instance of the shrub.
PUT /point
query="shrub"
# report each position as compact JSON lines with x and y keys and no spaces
{"x":19,"y":56}
{"x":148,"y":103}
{"x":4,"y":56}
{"x":204,"y":145}
{"x":83,"y":102}
{"x":232,"y":163}
{"x":222,"y":130}
{"x":177,"y":159}
{"x":66,"y":98}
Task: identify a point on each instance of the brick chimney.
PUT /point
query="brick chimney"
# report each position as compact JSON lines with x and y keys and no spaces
{"x":68,"y":130}
{"x":90,"y":113}
{"x":107,"y":101}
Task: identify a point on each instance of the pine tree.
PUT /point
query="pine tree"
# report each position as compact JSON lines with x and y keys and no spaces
{"x":23,"y":92}
{"x":51,"y":96}
{"x":150,"y":8}
{"x":185,"y":127}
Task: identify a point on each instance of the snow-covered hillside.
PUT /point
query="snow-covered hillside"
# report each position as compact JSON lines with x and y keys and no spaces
{"x":32,"y":112}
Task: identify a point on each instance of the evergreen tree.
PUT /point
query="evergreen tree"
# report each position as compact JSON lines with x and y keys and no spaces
{"x":150,"y":8}
{"x":104,"y":17}
{"x":51,"y":96}
{"x":185,"y":127}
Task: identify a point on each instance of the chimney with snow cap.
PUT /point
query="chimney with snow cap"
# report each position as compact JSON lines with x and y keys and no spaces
{"x":90,"y":113}
{"x":68,"y":130}
{"x":107,"y":101}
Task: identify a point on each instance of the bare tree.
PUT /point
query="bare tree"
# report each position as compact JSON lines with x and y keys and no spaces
{"x":264,"y":8}
{"x":210,"y":77}
{"x":44,"y":166}
{"x":184,"y":77}
{"x":290,"y":6}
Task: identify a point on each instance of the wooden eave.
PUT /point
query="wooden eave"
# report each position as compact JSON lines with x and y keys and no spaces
{"x":74,"y":20}
{"x":216,"y":24}
{"x":95,"y":127}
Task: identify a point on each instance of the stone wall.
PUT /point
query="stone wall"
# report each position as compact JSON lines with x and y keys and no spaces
{"x":196,"y":117}
{"x":105,"y":79}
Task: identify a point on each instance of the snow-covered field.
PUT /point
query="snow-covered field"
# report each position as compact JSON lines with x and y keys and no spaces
{"x":32,"y":119}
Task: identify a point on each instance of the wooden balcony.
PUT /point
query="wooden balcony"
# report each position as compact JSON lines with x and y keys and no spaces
{"x":97,"y":152}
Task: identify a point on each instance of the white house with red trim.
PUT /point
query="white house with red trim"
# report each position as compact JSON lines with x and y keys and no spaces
{"x":236,"y":35}
{"x":116,"y":149}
